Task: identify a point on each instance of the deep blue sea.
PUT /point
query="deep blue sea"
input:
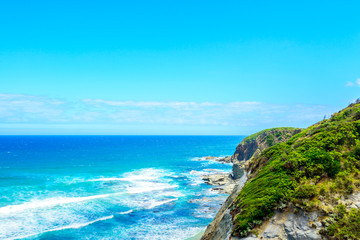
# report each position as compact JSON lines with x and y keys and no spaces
{"x":108,"y":187}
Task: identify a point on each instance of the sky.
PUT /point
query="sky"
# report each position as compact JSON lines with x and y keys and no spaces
{"x":175,"y":67}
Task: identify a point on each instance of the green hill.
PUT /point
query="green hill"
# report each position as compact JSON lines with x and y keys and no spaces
{"x":310,"y":171}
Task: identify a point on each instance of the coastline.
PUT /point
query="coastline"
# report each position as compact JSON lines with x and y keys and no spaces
{"x":222,"y":182}
{"x":197,"y":236}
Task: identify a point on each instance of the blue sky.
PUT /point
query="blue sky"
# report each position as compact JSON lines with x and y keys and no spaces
{"x":175,"y":67}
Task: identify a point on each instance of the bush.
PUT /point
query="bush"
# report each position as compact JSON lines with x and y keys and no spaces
{"x":306,"y":191}
{"x":324,"y":158}
{"x":345,"y":224}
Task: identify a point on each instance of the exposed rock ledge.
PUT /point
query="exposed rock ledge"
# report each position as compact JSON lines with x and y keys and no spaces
{"x":226,"y":159}
{"x":295,"y":224}
{"x":224,"y":181}
{"x":290,"y":225}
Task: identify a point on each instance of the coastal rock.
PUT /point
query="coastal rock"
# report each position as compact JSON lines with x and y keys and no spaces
{"x":238,"y":169}
{"x":314,"y":207}
{"x":218,"y":179}
{"x":290,"y":225}
{"x":297,"y":226}
{"x":220,"y":228}
{"x":226,"y":159}
{"x":223,"y":180}
{"x":227,"y":189}
{"x":272,"y":231}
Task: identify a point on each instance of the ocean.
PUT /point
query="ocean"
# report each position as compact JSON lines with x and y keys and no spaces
{"x":108,"y":187}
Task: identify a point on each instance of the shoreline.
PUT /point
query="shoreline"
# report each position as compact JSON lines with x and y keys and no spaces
{"x":222,"y":182}
{"x":198,"y":235}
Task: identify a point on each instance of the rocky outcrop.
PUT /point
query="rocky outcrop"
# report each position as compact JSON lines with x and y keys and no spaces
{"x":253,"y":145}
{"x":220,"y":228}
{"x":226,"y":159}
{"x":292,"y":225}
{"x":223,"y":181}
{"x":304,"y":189}
{"x":218,"y":179}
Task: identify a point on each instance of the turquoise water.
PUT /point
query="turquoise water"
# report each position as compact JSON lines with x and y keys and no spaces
{"x":108,"y":187}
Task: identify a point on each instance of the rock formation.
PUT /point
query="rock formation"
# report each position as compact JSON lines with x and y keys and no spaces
{"x":253,"y":145}
{"x":306,"y":186}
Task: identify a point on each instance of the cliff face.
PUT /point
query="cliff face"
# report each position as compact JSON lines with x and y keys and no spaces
{"x":220,"y":228}
{"x":254,"y":145}
{"x":307,"y":187}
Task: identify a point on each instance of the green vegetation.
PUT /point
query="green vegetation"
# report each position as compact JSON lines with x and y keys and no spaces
{"x":343,"y":224}
{"x":314,"y":167}
{"x":278,"y":133}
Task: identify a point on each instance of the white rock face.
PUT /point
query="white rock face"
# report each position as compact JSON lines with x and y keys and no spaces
{"x":290,"y":226}
{"x":297,"y":226}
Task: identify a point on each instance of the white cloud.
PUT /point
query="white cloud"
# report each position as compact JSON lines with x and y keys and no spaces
{"x":349,"y":84}
{"x":107,"y":114}
{"x":26,"y":108}
{"x":352,"y":84}
{"x":149,"y":104}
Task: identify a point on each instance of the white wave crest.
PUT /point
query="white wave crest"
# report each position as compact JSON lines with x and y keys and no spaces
{"x":143,"y":187}
{"x":105,"y":179}
{"x":73,"y":226}
{"x":49,"y":202}
{"x":126,"y":212}
{"x":159,"y":203}
{"x":145,"y":174}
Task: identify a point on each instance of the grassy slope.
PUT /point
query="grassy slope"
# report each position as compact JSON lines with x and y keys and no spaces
{"x":278,"y":129}
{"x":314,"y":167}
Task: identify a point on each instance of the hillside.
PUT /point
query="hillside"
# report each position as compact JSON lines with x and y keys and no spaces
{"x":253,"y":145}
{"x":304,"y":188}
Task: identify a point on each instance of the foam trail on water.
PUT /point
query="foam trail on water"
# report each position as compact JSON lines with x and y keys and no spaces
{"x":159,"y":203}
{"x":49,"y":203}
{"x":127,"y":212}
{"x":105,"y":179}
{"x":144,"y":187}
{"x":73,"y":226}
{"x":145,"y":174}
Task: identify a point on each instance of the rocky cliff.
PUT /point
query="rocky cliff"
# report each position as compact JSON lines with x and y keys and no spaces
{"x":253,"y":145}
{"x":307,"y":187}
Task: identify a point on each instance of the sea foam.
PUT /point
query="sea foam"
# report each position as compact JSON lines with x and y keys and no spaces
{"x":73,"y":226}
{"x":50,"y":202}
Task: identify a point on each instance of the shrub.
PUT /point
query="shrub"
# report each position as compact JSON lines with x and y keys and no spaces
{"x":322,"y":159}
{"x":306,"y":191}
{"x":344,"y":225}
